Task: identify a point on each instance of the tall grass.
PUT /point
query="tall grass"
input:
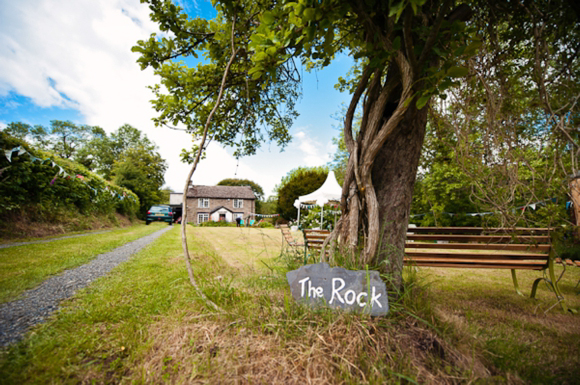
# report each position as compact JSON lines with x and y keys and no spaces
{"x":143,"y":323}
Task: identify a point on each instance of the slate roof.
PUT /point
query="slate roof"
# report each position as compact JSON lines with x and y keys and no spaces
{"x":225,"y":192}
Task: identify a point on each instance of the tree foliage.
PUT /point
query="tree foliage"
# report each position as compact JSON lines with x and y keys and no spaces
{"x":64,"y":138}
{"x":299,"y":181}
{"x":100,"y":153}
{"x":252,"y":109}
{"x":142,"y":171}
{"x":256,"y":188}
{"x":513,"y":123}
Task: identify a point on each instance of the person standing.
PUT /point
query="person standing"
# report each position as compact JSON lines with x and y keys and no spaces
{"x":238,"y":221}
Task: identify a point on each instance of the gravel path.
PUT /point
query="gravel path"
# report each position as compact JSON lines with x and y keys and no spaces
{"x":38,"y":303}
{"x":5,"y":245}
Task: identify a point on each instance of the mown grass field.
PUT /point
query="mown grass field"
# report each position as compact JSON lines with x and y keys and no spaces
{"x":24,"y":267}
{"x":144,"y":323}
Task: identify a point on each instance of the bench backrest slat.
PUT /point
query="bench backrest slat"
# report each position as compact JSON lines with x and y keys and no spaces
{"x":480,"y":230}
{"x":480,"y":238}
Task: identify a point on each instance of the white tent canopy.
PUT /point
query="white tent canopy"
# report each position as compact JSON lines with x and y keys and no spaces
{"x":329,"y":191}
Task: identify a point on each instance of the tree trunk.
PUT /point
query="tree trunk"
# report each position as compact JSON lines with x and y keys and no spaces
{"x":393,"y":177}
{"x":575,"y":195}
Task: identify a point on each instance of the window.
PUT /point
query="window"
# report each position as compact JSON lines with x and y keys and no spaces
{"x":238,"y":203}
{"x":202,"y":218}
{"x":203,"y":202}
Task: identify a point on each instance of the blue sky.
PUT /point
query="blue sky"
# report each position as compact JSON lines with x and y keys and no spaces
{"x":72,"y":60}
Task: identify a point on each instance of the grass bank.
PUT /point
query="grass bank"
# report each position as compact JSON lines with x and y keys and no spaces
{"x":24,"y":267}
{"x":143,"y":323}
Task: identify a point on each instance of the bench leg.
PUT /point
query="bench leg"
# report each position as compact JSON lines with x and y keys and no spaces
{"x":553,"y":285}
{"x":516,"y":285}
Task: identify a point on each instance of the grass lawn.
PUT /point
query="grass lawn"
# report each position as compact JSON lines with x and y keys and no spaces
{"x":144,"y":323}
{"x":24,"y":267}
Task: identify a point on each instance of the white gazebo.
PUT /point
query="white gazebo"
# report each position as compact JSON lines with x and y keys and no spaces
{"x":329,"y":191}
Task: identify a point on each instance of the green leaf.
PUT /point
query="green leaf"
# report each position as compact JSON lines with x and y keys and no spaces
{"x":422,"y":101}
{"x":309,"y":14}
{"x":472,"y":48}
{"x":256,"y":75}
{"x":457,"y":72}
{"x":397,"y":43}
{"x":268,"y":17}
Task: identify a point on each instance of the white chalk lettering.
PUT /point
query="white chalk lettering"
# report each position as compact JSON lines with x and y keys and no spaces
{"x":349,"y":293}
{"x":335,"y":290}
{"x":358,"y":299}
{"x":302,"y":283}
{"x":314,"y":291}
{"x":375,"y":298}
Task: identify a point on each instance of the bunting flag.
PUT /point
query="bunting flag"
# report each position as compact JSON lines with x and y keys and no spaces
{"x":533,"y":206}
{"x":265,"y":215}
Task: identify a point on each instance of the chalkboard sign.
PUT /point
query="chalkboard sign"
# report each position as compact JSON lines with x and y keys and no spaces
{"x":358,"y":291}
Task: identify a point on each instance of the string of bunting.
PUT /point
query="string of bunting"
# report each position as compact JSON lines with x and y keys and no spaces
{"x":265,"y":215}
{"x":61,"y":171}
{"x":523,"y":208}
{"x":309,"y":206}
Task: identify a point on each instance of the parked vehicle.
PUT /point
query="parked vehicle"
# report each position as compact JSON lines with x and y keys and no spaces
{"x":159,"y":213}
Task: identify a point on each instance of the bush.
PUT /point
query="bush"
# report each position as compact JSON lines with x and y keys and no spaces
{"x":218,"y":224}
{"x":41,"y":178}
{"x":264,"y":225}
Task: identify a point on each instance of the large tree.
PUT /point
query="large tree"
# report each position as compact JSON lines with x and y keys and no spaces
{"x":100,"y":153}
{"x":142,"y":171}
{"x":408,"y":51}
{"x":299,"y":181}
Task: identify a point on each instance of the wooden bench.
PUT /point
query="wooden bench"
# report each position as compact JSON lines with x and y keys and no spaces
{"x":476,"y":248}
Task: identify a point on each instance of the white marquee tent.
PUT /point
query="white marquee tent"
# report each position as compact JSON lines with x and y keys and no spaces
{"x":329,"y":191}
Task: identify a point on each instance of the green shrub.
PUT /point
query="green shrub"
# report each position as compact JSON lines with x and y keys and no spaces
{"x":218,"y":224}
{"x":41,"y":178}
{"x":264,"y":225}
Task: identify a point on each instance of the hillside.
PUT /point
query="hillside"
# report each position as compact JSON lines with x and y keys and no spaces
{"x":42,"y":194}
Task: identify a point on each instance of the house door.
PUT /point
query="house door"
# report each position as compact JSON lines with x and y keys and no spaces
{"x":222,"y":217}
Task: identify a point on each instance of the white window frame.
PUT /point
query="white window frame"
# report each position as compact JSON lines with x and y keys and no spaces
{"x":238,"y":203}
{"x":202,"y":217}
{"x":203,"y":203}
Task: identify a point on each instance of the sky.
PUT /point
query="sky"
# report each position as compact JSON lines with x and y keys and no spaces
{"x":72,"y":60}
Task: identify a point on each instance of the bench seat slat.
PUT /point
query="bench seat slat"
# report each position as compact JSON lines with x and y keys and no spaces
{"x":474,"y":265}
{"x":479,"y":246}
{"x":471,"y":258}
{"x":511,"y":256}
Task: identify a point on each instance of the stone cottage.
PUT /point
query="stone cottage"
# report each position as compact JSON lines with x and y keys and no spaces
{"x":219,"y":203}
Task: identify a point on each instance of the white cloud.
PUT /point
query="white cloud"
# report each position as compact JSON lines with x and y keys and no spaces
{"x":77,"y":54}
{"x":314,"y":153}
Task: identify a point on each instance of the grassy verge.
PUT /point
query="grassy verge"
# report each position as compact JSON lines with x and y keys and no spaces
{"x":143,"y":323}
{"x":24,"y":267}
{"x":526,"y":340}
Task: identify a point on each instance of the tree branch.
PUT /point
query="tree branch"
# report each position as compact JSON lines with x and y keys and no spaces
{"x":188,"y":180}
